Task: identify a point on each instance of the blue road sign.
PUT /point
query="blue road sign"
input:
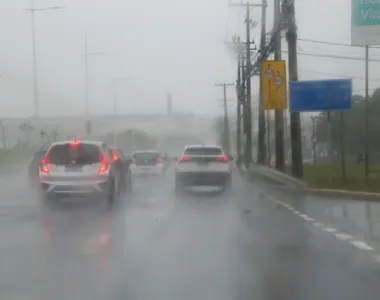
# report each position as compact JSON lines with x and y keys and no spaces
{"x":320,"y":95}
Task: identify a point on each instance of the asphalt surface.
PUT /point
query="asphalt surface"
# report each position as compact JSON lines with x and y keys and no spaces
{"x":252,"y":243}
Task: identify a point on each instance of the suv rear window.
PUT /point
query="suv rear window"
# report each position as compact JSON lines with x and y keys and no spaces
{"x":204,"y":151}
{"x":145,"y":155}
{"x":81,"y":154}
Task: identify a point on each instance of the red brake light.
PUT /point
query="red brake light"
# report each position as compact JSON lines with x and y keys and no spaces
{"x":104,"y":166}
{"x":158,"y":159}
{"x":115,"y":157}
{"x":133,"y":161}
{"x":183,"y":158}
{"x":74,"y":143}
{"x":223,"y":159}
{"x":44,"y":165}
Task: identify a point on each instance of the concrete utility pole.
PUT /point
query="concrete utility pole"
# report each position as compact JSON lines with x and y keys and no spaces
{"x":87,"y":54}
{"x":226,"y":128}
{"x":239,"y":94}
{"x":366,"y":142}
{"x":261,"y":153}
{"x":279,"y":113}
{"x":33,"y":10}
{"x":295,"y":121}
{"x":248,"y":103}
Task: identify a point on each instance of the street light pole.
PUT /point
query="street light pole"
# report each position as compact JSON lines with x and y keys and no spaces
{"x":33,"y":10}
{"x":115,"y":81}
{"x":87,"y":54}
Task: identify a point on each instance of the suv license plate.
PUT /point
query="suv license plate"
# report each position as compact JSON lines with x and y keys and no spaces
{"x":73,"y":169}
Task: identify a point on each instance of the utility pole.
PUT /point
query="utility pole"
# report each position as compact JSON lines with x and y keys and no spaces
{"x":295,"y":121}
{"x":247,"y":70}
{"x":33,"y":10}
{"x":86,"y":74}
{"x":248,"y":104}
{"x":279,"y":113}
{"x":239,"y":93}
{"x":366,"y":143}
{"x":261,"y":153}
{"x":314,"y":140}
{"x":226,"y":128}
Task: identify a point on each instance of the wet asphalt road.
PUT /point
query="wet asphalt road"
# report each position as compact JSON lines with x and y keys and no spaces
{"x":248,"y":244}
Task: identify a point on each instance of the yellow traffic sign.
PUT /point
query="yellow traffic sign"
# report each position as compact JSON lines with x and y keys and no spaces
{"x":273,"y":81}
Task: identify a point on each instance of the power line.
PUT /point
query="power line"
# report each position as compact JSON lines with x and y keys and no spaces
{"x":331,"y":43}
{"x":339,"y":75}
{"x":335,"y":56}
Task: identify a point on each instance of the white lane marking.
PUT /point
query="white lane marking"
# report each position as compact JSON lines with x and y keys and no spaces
{"x":343,"y":236}
{"x":361,"y":245}
{"x":377,"y":258}
{"x":339,"y":235}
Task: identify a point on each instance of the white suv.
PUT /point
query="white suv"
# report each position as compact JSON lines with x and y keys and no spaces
{"x":202,"y":165}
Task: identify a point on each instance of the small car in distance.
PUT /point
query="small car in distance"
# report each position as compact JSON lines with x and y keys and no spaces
{"x":146,"y":163}
{"x":203,"y":166}
{"x":73,"y":168}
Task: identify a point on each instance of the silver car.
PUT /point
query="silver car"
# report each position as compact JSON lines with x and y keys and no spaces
{"x":79,"y":168}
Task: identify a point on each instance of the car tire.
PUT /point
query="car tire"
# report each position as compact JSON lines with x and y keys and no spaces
{"x":178,"y":188}
{"x":129,"y":184}
{"x":110,"y":194}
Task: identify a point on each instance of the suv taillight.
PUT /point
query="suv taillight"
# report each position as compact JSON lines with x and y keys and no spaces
{"x":183,"y":158}
{"x":223,"y":159}
{"x":133,"y":161}
{"x":158,"y":160}
{"x":104,"y":165}
{"x":44,"y":165}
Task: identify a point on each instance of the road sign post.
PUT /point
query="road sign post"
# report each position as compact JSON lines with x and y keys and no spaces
{"x":273,"y":74}
{"x":320,"y":95}
{"x":365,"y":22}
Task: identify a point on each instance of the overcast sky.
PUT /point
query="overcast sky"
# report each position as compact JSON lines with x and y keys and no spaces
{"x":162,"y":46}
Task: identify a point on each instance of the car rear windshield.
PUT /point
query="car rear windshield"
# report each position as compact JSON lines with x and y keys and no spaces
{"x":203,"y":151}
{"x":145,"y":155}
{"x":79,"y":154}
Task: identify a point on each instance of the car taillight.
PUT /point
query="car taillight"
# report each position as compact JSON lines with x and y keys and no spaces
{"x":223,"y":159}
{"x":133,"y":161}
{"x":44,"y":165}
{"x":104,"y":165}
{"x":158,"y":160}
{"x":183,"y":158}
{"x":115,"y":157}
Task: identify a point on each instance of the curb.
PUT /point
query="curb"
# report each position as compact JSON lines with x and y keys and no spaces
{"x":275,"y":175}
{"x":304,"y":190}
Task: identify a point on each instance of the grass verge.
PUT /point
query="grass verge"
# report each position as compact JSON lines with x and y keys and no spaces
{"x":331,"y":177}
{"x":17,"y":155}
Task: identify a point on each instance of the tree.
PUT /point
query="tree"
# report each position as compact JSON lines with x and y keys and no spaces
{"x":354,"y":126}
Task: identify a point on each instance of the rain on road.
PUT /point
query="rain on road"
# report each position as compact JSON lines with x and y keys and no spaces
{"x":247,"y":244}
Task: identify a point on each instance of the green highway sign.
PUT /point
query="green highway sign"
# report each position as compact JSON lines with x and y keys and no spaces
{"x":365,"y":22}
{"x":365,"y":12}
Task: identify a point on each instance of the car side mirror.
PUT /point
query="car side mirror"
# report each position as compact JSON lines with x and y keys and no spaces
{"x":230,"y":157}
